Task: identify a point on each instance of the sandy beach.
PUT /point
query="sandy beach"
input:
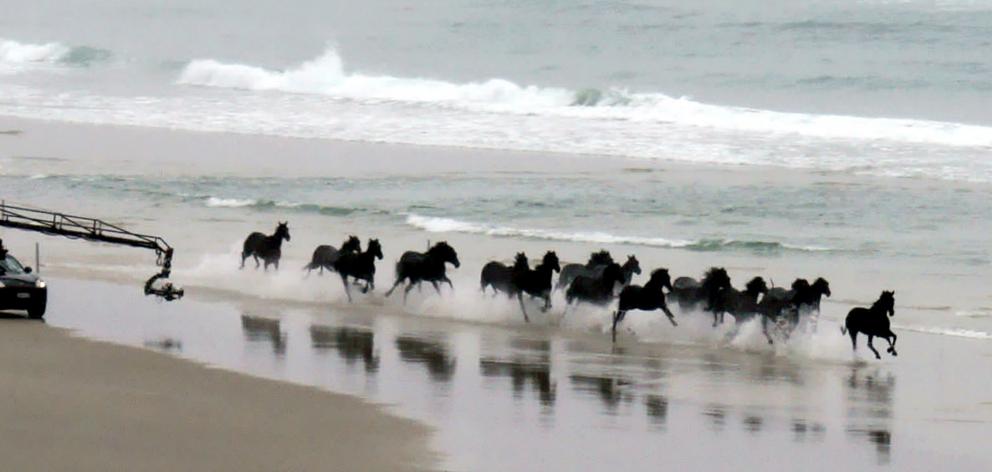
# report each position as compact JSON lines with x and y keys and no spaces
{"x":74,"y":404}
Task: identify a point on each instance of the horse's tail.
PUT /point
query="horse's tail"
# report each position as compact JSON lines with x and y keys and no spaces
{"x":843,"y":330}
{"x":311,"y":266}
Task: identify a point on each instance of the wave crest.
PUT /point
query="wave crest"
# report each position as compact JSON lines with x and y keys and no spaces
{"x":14,"y":53}
{"x":449,"y":225}
{"x":327,"y":76}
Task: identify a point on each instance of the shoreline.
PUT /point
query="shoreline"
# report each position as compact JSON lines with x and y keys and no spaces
{"x":73,"y":402}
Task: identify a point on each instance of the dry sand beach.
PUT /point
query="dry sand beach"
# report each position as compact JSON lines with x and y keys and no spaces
{"x":73,"y":404}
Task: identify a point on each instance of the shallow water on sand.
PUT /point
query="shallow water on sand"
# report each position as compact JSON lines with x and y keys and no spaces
{"x":509,"y":399}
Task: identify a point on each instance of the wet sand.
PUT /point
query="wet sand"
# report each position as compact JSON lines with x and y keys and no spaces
{"x":74,"y":404}
{"x":540,"y":398}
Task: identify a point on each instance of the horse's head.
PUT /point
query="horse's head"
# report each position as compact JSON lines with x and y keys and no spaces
{"x":716,"y":279}
{"x":551,"y":260}
{"x":757,"y":286}
{"x":800,"y":285}
{"x":282,"y":231}
{"x":887,"y":302}
{"x":821,"y":286}
{"x":374,"y":248}
{"x":520,"y":261}
{"x":445,"y":252}
{"x":632,"y":265}
{"x":353,"y":244}
{"x":601,"y":257}
{"x":661,"y":277}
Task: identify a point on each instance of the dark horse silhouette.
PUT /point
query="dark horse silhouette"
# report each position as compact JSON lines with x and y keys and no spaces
{"x":785,"y":307}
{"x":416,"y":267}
{"x":499,"y":276}
{"x":325,"y":255}
{"x":536,"y":282}
{"x":360,"y":266}
{"x":647,"y":298}
{"x":595,"y":290}
{"x":743,"y":305}
{"x":597,"y":260}
{"x":873,"y":322}
{"x":269,"y":248}
{"x":690,"y":293}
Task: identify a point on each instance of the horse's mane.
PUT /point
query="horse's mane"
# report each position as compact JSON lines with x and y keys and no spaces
{"x":601,"y":257}
{"x":549,"y":258}
{"x":613,"y":272}
{"x":631,"y":261}
{"x":658,"y":276}
{"x":714,"y":279}
{"x":800,"y":285}
{"x":440,"y":246}
{"x":886,"y":297}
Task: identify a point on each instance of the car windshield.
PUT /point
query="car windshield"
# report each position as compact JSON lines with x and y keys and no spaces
{"x":11,"y":266}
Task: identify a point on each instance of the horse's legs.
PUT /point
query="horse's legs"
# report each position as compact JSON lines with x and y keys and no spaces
{"x":617,"y":318}
{"x":892,"y":343}
{"x":877,"y":356}
{"x":244,"y":255}
{"x":395,"y":284}
{"x":547,"y":300}
{"x":446,"y":279}
{"x":257,"y":264}
{"x":520,"y":298}
{"x":406,"y":291}
{"x":347,"y":291}
{"x":764,"y":329}
{"x":854,"y":339}
{"x":668,"y":313}
{"x":715,"y":319}
{"x":436,"y":286}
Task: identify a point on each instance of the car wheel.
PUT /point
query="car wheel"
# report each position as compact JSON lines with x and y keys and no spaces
{"x":37,"y":311}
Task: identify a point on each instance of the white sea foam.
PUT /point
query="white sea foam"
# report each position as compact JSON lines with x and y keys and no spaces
{"x":449,"y":225}
{"x":215,"y":202}
{"x":958,"y":332}
{"x":326,"y":75}
{"x":13,"y":52}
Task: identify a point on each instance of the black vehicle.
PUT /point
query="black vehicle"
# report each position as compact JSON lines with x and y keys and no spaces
{"x":20,"y":289}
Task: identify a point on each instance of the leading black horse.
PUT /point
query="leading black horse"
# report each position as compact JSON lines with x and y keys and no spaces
{"x":873,"y":322}
{"x":269,"y":248}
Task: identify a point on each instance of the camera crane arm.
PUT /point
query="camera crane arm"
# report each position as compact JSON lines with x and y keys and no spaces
{"x":91,"y":229}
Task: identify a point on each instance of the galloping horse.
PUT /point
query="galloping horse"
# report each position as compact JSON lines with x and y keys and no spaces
{"x":873,"y":322}
{"x":269,"y":248}
{"x":360,"y":266}
{"x":647,"y":298}
{"x":416,"y":267}
{"x":535,"y":282}
{"x":325,"y":255}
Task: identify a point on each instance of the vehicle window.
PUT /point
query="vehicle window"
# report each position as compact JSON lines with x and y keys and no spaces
{"x":11,"y":266}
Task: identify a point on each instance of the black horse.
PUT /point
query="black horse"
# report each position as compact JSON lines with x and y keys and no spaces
{"x":803,"y":295}
{"x":360,"y":266}
{"x":269,"y":248}
{"x":647,"y":298}
{"x":743,"y":305}
{"x":536,"y":282}
{"x":569,"y":272}
{"x":325,"y":255}
{"x":416,"y":267}
{"x":595,"y":290}
{"x":499,"y":276}
{"x":873,"y":322}
{"x":690,"y":294}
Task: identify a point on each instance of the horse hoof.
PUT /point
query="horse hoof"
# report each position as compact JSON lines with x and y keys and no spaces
{"x":894,"y":353}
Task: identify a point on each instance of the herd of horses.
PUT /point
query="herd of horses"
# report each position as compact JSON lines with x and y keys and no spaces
{"x":600,"y":281}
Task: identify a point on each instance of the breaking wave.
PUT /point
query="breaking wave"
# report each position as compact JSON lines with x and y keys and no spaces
{"x":217,"y":202}
{"x":448,"y":225}
{"x":327,"y":76}
{"x":14,"y":54}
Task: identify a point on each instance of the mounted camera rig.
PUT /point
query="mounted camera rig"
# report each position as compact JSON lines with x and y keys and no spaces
{"x":91,"y":229}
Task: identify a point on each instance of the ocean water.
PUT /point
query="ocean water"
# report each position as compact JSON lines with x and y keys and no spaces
{"x":877,"y":109}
